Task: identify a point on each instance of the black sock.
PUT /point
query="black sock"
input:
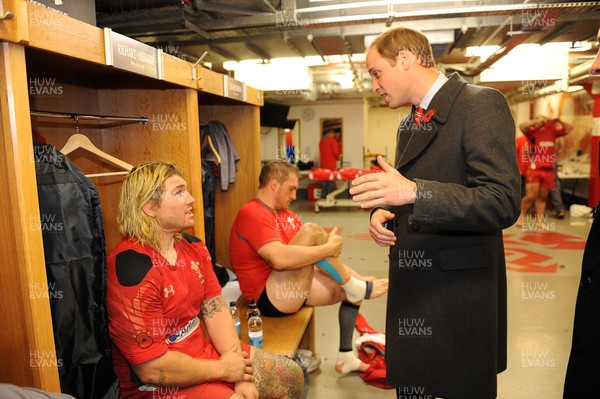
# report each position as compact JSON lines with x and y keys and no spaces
{"x":347,"y":317}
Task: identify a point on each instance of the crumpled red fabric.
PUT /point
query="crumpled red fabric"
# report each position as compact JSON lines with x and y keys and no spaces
{"x":371,"y":350}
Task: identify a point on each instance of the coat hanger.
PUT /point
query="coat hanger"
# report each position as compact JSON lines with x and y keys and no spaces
{"x":78,"y":140}
{"x":209,"y":143}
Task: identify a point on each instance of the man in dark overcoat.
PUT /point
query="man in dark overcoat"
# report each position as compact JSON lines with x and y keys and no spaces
{"x":441,"y":209}
{"x":583,"y":371}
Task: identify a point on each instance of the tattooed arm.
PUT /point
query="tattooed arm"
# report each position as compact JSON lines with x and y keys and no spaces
{"x":178,"y":369}
{"x":181,"y":370}
{"x":219,"y":325}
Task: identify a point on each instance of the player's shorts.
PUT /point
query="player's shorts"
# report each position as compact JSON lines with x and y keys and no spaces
{"x":545,"y":177}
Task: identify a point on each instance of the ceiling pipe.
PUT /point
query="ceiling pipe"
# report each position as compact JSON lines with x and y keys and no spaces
{"x":268,"y":19}
{"x":191,"y":26}
{"x":369,"y":4}
{"x":491,"y":36}
{"x":580,"y":73}
{"x":357,"y":82}
{"x":556,"y":33}
{"x":258,"y":51}
{"x":230,"y":9}
{"x":268,"y":4}
{"x":214,"y":49}
{"x":315,"y":46}
{"x":290,"y":44}
{"x":462,"y":33}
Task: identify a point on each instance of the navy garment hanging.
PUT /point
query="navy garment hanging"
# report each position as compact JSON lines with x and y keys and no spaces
{"x":75,"y":255}
{"x":209,"y":187}
{"x":227,"y":151}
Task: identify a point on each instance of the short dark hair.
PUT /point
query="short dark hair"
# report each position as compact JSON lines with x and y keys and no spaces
{"x":278,"y":169}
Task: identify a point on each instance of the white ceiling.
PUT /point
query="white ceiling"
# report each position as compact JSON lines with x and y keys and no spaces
{"x":265,"y":29}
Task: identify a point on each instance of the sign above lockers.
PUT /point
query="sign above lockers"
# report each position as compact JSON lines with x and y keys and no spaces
{"x":234,"y":89}
{"x":130,"y":55}
{"x":83,"y":10}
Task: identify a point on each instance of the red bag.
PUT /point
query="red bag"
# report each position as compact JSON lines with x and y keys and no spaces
{"x":371,"y":350}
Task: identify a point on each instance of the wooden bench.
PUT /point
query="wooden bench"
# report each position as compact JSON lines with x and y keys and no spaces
{"x":283,"y":335}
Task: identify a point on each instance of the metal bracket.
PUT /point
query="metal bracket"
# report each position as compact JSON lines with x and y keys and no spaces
{"x":194,"y":76}
{"x":5,"y":15}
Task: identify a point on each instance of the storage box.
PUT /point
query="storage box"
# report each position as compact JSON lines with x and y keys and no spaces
{"x":83,"y":10}
{"x":313,"y":192}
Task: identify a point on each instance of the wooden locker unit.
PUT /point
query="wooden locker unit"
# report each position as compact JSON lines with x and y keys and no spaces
{"x":72,"y":53}
{"x":26,"y":320}
{"x":171,"y":134}
{"x":243,"y":125}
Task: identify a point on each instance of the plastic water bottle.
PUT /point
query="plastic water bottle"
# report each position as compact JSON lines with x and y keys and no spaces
{"x":255,"y":330}
{"x":252,"y":307}
{"x":235,"y":314}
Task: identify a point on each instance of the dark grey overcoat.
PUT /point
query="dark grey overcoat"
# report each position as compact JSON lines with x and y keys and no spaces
{"x":446,"y":312}
{"x":583,"y":371}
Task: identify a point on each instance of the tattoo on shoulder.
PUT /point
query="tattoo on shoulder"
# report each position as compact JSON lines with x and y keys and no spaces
{"x":212,"y":306}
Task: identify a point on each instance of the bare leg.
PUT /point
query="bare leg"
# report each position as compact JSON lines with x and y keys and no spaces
{"x":356,"y":289}
{"x":531,"y":193}
{"x":276,"y":376}
{"x":288,"y":290}
{"x":540,"y":207}
{"x":540,"y":202}
{"x":324,"y":291}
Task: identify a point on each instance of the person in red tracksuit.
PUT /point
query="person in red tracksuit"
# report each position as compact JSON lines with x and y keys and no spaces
{"x":329,"y":149}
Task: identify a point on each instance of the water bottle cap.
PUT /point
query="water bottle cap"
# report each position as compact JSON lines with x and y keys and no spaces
{"x":254,"y":313}
{"x":232,"y":303}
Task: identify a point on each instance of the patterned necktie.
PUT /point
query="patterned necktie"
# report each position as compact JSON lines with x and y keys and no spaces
{"x":419,"y":112}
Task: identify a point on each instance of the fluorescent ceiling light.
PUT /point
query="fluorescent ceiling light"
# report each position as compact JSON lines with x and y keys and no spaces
{"x":275,"y":76}
{"x":345,"y":79}
{"x":314,"y":60}
{"x":483,"y":52}
{"x":309,"y":61}
{"x":531,"y":62}
{"x":580,"y":46}
{"x":230,"y":65}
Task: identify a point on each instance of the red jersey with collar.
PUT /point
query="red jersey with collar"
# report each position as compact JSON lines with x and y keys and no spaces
{"x":254,"y":226}
{"x":540,"y":149}
{"x":153,"y":306}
